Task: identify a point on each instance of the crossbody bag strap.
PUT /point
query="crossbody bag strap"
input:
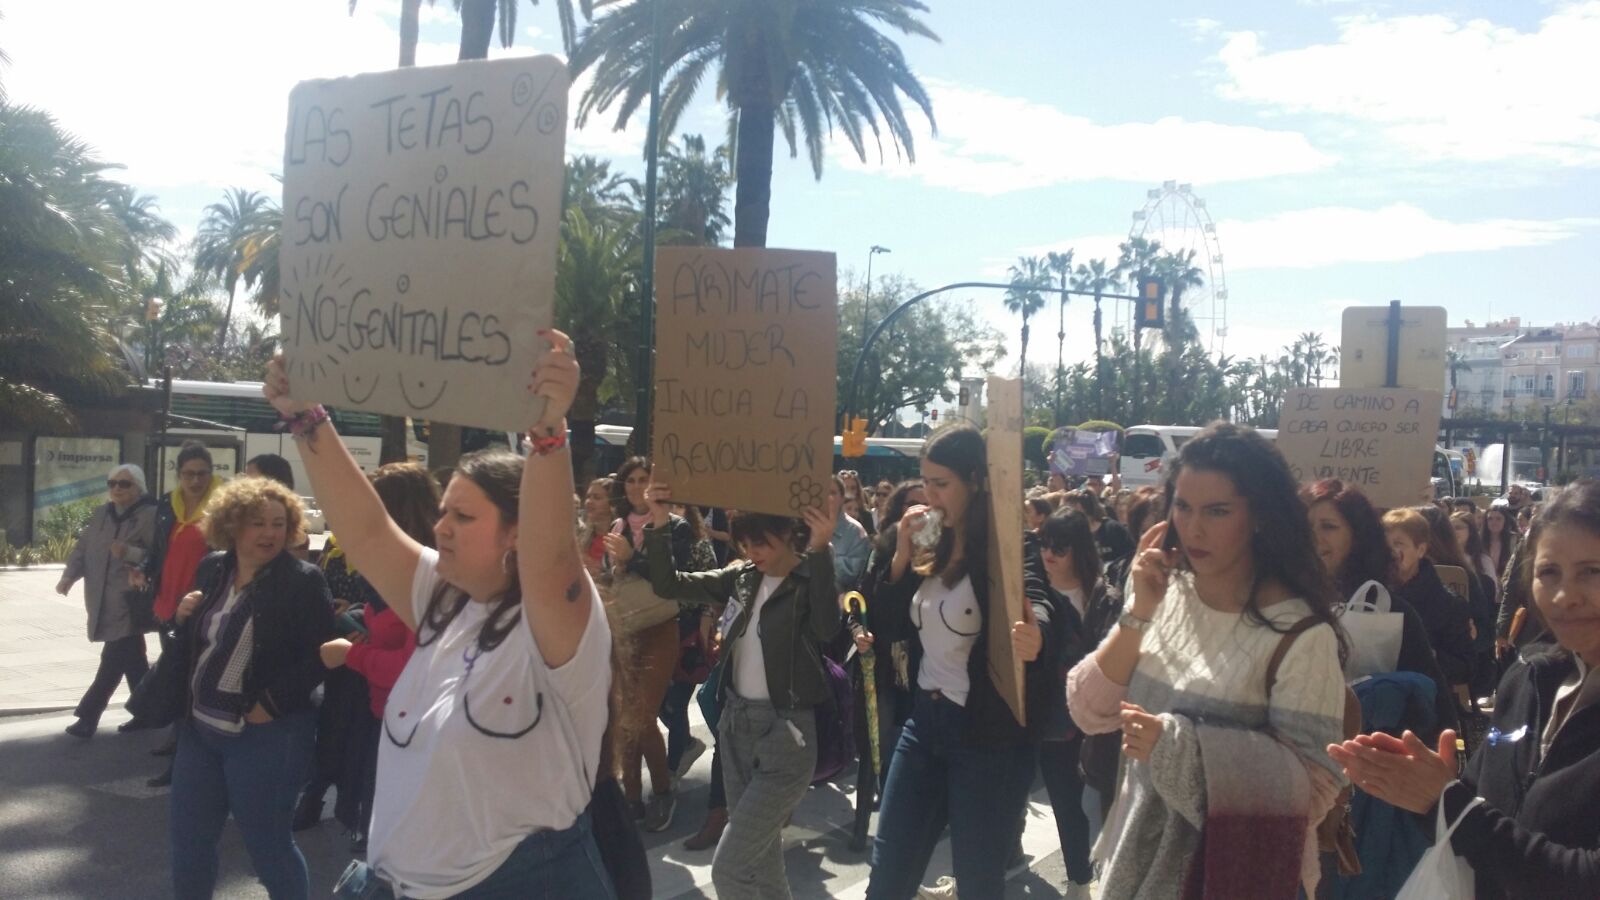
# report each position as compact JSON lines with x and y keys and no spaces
{"x":1282,"y":649}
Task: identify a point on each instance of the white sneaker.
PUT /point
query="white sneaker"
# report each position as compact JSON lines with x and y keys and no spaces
{"x":691,"y":752}
{"x":943,"y":889}
{"x":1076,"y":891}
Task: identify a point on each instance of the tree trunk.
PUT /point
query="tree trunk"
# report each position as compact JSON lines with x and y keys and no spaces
{"x":477,"y":27}
{"x":393,"y":446}
{"x":227,"y":319}
{"x":591,"y":355}
{"x":410,"y":12}
{"x":1099,"y":367}
{"x":444,"y":446}
{"x":752,"y":204}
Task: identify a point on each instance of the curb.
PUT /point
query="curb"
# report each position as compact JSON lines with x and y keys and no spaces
{"x":17,"y":711}
{"x":41,"y":567}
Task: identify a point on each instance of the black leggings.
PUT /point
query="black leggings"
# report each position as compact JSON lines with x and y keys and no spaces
{"x":1058,"y":760}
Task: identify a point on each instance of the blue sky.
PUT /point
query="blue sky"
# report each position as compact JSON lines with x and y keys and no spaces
{"x":1440,"y":153}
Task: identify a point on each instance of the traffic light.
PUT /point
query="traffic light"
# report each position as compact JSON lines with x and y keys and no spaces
{"x":933,"y":414}
{"x":854,"y":439}
{"x":1152,"y":301}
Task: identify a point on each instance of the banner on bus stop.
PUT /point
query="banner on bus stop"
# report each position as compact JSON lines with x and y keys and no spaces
{"x":746,"y":376}
{"x":421,"y":216}
{"x":1380,"y":440}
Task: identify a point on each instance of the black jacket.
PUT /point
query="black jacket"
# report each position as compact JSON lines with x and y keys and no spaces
{"x":292,"y":613}
{"x":989,"y":720}
{"x":682,"y":546}
{"x":1538,"y":835}
{"x":1445,"y":619}
{"x":801,"y":614}
{"x":166,"y":518}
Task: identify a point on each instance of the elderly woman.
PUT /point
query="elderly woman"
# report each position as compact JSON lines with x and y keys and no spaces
{"x":1535,"y":833}
{"x":252,"y":634}
{"x":110,"y":546}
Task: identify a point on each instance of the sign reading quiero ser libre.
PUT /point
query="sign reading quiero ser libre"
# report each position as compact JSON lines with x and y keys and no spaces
{"x":746,"y":377}
{"x":421,"y":214}
{"x":1378,"y":439}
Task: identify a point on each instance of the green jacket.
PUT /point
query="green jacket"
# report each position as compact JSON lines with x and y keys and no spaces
{"x":801,"y":613}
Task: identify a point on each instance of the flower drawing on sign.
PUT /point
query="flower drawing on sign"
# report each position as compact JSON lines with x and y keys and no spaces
{"x":804,"y":493}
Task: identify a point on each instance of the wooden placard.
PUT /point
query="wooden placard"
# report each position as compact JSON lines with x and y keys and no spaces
{"x":1364,"y":347}
{"x":1378,"y":439}
{"x":1004,"y":448}
{"x":422,"y":212}
{"x":746,"y":376}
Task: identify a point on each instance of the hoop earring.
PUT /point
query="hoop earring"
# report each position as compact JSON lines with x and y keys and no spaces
{"x":506,"y":562}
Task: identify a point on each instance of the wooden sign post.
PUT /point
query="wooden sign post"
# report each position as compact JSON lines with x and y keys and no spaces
{"x":746,"y":376}
{"x":421,"y":215}
{"x":1004,"y":449}
{"x":1378,"y":439}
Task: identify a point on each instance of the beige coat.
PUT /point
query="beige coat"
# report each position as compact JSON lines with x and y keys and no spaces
{"x":105,"y":579}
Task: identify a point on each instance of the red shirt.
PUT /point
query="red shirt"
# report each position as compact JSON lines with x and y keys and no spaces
{"x":184,"y":552}
{"x":382,"y":656}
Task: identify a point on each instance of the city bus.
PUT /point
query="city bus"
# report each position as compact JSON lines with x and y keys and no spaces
{"x":891,"y":458}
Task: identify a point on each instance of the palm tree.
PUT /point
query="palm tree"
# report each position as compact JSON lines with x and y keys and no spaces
{"x":219,"y":243}
{"x":62,"y":251}
{"x":694,"y":191}
{"x":601,"y":194}
{"x":1097,"y":276}
{"x":805,"y":65}
{"x":1060,"y":265}
{"x":477,"y":25}
{"x":595,"y":282}
{"x":1027,"y":276}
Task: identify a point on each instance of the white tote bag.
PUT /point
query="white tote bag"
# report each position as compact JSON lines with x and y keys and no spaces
{"x":1375,"y":632}
{"x":1441,"y":874}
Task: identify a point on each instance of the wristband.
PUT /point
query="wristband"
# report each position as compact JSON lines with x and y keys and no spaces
{"x":544,"y":446}
{"x":303,"y":423}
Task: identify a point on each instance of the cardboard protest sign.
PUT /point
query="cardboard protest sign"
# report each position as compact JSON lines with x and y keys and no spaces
{"x":421,"y":214}
{"x":1378,"y":439}
{"x":1074,"y":452}
{"x":1364,"y":347}
{"x":1004,"y":448}
{"x":746,"y":376}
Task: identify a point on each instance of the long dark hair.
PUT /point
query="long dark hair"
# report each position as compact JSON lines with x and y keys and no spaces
{"x":1370,"y":558}
{"x":1474,"y":545}
{"x":961,"y":449}
{"x":411,"y":497}
{"x":498,"y":473}
{"x":1068,"y":530}
{"x":620,"y":499}
{"x":1282,"y":546}
{"x":1510,"y":538}
{"x":1443,"y":548}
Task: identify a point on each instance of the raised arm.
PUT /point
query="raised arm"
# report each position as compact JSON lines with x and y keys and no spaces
{"x":556,"y":588}
{"x":374,"y":543}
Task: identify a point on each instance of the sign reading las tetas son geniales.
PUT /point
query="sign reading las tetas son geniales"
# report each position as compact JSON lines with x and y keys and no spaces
{"x":421,"y":213}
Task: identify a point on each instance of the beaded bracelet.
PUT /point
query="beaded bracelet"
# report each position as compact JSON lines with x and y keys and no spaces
{"x":302,"y":424}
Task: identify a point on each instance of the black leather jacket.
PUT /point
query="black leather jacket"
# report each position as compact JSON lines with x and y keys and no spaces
{"x":292,"y":612}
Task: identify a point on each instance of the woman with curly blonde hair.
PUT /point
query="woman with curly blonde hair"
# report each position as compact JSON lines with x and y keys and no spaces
{"x":250,"y":635}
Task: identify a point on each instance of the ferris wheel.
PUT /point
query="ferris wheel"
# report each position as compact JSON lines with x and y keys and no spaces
{"x":1174,"y":215}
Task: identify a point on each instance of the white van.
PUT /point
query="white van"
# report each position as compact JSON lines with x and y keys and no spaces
{"x":1145,"y":449}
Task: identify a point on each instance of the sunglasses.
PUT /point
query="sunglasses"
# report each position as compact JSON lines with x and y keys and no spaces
{"x":119,"y":483}
{"x":847,"y":473}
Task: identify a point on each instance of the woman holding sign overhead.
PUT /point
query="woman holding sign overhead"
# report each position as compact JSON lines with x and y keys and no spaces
{"x":962,"y":758}
{"x":772,"y":678}
{"x":491,"y":736}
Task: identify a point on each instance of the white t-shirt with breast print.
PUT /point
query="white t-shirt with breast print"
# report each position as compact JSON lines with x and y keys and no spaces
{"x":948,"y":622}
{"x":481,"y":749}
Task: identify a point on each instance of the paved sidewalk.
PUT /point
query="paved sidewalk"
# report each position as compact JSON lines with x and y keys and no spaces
{"x":46,"y":659}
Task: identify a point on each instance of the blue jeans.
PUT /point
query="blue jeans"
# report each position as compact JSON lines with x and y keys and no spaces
{"x":937,"y":778}
{"x":546,"y":865}
{"x":256,"y":776}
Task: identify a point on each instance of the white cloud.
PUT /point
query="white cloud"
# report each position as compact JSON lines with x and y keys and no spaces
{"x":1334,"y":235}
{"x":993,"y":144}
{"x":1441,"y":87}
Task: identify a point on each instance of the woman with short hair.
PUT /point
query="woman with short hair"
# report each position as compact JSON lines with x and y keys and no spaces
{"x":251,"y":633}
{"x":105,"y":558}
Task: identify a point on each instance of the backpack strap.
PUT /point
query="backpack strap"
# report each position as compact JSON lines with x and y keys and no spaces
{"x":1284,"y":644}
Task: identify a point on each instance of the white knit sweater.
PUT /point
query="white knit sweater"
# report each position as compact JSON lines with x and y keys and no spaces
{"x":1209,"y":666}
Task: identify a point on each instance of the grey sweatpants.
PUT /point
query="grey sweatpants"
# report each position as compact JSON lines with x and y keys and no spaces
{"x":766,"y":773}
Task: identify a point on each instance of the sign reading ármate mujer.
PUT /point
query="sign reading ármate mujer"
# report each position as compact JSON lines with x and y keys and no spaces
{"x":421,"y":215}
{"x":746,"y":376}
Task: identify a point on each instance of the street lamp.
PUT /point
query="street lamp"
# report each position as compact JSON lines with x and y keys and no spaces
{"x":866,"y":303}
